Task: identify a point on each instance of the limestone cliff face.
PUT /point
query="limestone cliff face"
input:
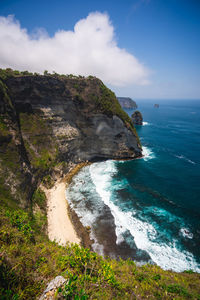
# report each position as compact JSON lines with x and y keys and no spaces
{"x":47,"y":122}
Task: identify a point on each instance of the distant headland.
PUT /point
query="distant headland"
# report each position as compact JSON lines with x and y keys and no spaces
{"x":127,"y":102}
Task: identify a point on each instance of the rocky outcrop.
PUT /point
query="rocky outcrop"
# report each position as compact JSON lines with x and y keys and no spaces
{"x":137,"y":118}
{"x":127,"y":102}
{"x":49,"y":121}
{"x":54,"y":284}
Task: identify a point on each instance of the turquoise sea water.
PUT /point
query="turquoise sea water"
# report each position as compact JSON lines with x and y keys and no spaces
{"x":148,"y":209}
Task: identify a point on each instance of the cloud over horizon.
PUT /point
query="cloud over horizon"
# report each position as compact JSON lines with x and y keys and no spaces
{"x":90,"y":49}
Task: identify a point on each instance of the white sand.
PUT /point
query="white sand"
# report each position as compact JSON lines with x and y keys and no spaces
{"x":60,"y":228}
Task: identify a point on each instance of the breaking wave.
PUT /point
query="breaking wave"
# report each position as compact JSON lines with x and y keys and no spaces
{"x":166,"y":255}
{"x":146,"y":123}
{"x":147,"y":153}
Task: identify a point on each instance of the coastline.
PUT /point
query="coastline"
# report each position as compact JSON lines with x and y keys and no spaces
{"x":59,"y":228}
{"x":64,"y":225}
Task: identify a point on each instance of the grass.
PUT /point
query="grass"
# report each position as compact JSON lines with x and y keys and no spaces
{"x":29,"y":260}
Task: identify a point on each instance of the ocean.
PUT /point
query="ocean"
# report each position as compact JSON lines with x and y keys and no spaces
{"x":148,"y":209}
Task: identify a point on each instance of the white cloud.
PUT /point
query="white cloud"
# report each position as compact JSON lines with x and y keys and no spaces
{"x":90,"y":49}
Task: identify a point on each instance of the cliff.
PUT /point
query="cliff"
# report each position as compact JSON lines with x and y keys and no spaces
{"x":49,"y":121}
{"x":127,"y":102}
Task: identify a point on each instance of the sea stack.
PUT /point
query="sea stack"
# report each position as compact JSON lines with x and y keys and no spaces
{"x":137,"y":118}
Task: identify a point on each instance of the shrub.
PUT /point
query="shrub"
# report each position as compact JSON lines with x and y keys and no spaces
{"x":21,"y":221}
{"x":177,"y":289}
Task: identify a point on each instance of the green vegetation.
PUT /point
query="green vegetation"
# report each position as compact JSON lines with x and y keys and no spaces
{"x":37,"y":137}
{"x":6,"y":73}
{"x":4,"y":131}
{"x":20,"y":220}
{"x":47,"y":181}
{"x":39,"y":209}
{"x":110,"y":106}
{"x":4,"y":92}
{"x":29,"y":261}
{"x":39,"y":198}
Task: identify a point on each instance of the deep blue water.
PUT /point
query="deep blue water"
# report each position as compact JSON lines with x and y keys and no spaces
{"x":148,"y":209}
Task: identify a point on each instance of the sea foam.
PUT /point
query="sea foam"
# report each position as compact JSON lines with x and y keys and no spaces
{"x":185,"y":158}
{"x":147,"y":153}
{"x":146,"y":123}
{"x":167,"y":256}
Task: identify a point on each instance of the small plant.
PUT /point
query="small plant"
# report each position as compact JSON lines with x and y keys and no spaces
{"x":21,"y":221}
{"x":39,"y":198}
{"x":47,"y":181}
{"x":72,"y":290}
{"x":177,"y":289}
{"x":189,"y":271}
{"x":40,"y":260}
{"x":156,"y":277}
{"x":141,"y":277}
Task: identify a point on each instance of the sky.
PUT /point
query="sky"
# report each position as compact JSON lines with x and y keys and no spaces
{"x":144,"y":49}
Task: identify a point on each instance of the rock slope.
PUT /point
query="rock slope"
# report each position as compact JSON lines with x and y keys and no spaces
{"x":49,"y":121}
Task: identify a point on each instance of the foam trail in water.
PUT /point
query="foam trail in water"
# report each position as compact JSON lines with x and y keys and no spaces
{"x":165,"y":255}
{"x":145,"y":123}
{"x":147,"y":153}
{"x":186,"y":233}
{"x":185,"y":158}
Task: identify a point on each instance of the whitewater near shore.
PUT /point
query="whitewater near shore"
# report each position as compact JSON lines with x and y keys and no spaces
{"x":60,"y":228}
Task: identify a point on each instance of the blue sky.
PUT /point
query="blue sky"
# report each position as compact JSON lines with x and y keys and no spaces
{"x":164,"y":37}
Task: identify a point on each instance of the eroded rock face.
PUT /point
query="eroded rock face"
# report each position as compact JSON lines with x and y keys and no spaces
{"x":127,"y":102}
{"x":52,"y":121}
{"x":80,"y":128}
{"x":137,"y":118}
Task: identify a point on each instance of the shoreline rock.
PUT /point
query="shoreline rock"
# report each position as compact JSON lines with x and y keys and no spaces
{"x":53,"y":285}
{"x":137,"y":118}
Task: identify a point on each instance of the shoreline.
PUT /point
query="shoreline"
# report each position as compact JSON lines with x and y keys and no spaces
{"x":63,"y":224}
{"x":59,"y":227}
{"x":82,"y":232}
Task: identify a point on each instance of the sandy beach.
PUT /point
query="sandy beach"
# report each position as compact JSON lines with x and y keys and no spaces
{"x":60,"y":228}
